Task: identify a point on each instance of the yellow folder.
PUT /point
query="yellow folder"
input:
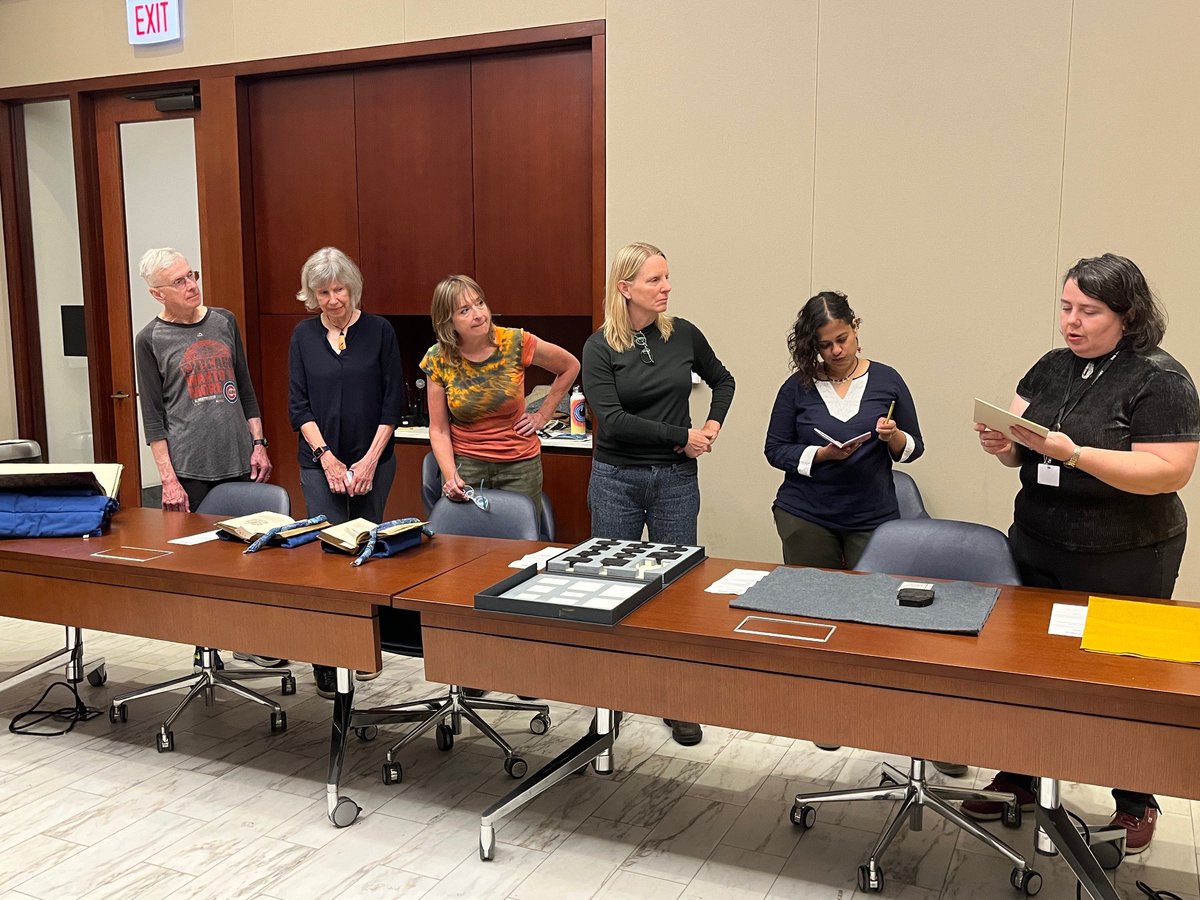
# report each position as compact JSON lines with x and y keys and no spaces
{"x":1149,"y":630}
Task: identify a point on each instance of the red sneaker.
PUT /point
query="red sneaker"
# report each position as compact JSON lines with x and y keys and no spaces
{"x":1139,"y":831}
{"x":987,"y":810}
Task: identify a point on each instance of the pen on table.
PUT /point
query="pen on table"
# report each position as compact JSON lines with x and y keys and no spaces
{"x":891,"y":406}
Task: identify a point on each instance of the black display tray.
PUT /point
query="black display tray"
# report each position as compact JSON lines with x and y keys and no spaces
{"x":587,"y":587}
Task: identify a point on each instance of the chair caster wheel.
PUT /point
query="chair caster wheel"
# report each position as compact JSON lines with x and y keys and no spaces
{"x":1028,"y":881}
{"x":867,"y":883}
{"x":804,"y":817}
{"x":539,"y":724}
{"x":288,"y":685}
{"x":516,"y":767}
{"x":97,"y":676}
{"x":393,"y":773}
{"x":278,"y":722}
{"x":443,"y":736}
{"x":1011,"y":816}
{"x":367,"y":732}
{"x":118,"y":713}
{"x":165,"y":741}
{"x":345,"y":812}
{"x":1110,"y":854}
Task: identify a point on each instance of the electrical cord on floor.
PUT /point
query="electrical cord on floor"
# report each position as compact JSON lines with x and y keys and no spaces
{"x":72,"y":715}
{"x":1155,"y":895}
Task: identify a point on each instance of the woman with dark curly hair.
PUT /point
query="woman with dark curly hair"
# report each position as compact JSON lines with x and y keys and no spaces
{"x":838,"y":425}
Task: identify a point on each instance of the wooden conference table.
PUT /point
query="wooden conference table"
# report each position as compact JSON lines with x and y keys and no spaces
{"x":1014,"y":697}
{"x":301,"y":604}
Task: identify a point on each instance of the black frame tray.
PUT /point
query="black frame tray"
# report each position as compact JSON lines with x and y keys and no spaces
{"x":490,"y":598}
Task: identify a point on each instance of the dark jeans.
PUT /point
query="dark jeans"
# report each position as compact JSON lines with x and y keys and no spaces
{"x":1144,"y":572}
{"x":665,"y":500}
{"x":197,"y":489}
{"x":807,"y":544}
{"x":338,"y":508}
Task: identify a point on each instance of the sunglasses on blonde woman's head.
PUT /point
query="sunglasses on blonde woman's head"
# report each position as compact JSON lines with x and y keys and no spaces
{"x":639,"y":341}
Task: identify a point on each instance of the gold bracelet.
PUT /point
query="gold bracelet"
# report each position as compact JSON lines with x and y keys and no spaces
{"x":1074,"y":460}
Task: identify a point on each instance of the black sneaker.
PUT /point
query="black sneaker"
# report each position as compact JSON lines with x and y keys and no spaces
{"x":686,"y":734}
{"x":196,"y":665}
{"x":326,"y":679}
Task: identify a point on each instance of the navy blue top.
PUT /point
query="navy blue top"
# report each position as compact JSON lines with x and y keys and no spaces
{"x":349,"y":395}
{"x":856,"y":493}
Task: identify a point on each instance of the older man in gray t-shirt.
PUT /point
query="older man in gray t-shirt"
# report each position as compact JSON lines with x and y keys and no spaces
{"x":198,"y":406}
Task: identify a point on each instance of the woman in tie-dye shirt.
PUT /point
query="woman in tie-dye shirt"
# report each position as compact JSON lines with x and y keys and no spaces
{"x":478,"y":427}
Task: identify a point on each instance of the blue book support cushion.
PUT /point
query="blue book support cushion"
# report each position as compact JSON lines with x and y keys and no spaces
{"x":54,"y":514}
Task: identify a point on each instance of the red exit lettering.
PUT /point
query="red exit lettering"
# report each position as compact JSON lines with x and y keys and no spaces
{"x":150,"y":18}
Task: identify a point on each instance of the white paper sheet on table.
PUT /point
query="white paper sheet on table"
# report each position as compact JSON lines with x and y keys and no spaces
{"x":201,"y":538}
{"x":737,"y":581}
{"x":1067,"y":619}
{"x":538,"y":558}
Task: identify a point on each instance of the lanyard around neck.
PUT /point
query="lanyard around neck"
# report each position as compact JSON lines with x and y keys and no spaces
{"x":1064,"y":409}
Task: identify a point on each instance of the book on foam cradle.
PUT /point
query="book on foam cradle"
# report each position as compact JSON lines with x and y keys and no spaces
{"x":250,"y":528}
{"x":352,"y":535}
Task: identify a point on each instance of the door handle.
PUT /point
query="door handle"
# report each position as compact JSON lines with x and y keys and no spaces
{"x":119,"y":395}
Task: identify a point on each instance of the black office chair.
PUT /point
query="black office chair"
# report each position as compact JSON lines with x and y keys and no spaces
{"x":76,"y":668}
{"x":508,"y":515}
{"x":930,"y":548}
{"x":240,"y":498}
{"x":431,"y":493}
{"x":908,"y":496}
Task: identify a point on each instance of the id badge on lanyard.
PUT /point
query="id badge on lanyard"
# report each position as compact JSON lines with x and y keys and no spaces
{"x":1049,"y":471}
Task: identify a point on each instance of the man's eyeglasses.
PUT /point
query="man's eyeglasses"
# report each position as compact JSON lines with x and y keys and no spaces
{"x":639,"y":340}
{"x":477,"y":497}
{"x":181,"y":282}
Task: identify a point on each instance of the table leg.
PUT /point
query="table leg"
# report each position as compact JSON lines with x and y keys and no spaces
{"x":342,"y":810}
{"x":1056,"y":834}
{"x":594,"y":747}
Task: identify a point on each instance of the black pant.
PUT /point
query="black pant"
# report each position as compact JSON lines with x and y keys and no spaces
{"x":1142,"y":572}
{"x":197,"y":488}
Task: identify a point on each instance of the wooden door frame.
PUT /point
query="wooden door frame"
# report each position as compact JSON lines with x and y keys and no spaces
{"x":110,"y":113}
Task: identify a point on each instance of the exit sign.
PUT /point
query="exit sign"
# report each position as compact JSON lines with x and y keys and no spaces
{"x":152,"y":21}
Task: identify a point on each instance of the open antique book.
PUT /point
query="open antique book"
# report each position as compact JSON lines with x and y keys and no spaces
{"x":250,"y":528}
{"x":350,"y":536}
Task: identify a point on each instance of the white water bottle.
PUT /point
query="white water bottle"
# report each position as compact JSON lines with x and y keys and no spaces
{"x":578,"y":412}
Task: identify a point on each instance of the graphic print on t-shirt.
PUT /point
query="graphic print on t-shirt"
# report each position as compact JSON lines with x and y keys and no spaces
{"x":208,"y":367}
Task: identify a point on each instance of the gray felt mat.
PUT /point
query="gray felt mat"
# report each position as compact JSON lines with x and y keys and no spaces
{"x":958,"y":606}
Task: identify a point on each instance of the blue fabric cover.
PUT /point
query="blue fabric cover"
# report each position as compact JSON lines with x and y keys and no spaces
{"x":54,"y":514}
{"x":287,"y":543}
{"x":386,"y":546}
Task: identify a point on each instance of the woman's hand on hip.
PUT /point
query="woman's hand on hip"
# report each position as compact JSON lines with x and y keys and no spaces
{"x":530,"y":423}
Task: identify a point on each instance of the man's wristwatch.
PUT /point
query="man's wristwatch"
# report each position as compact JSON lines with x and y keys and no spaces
{"x":1073,"y":461}
{"x":259,"y":442}
{"x":319,"y":452}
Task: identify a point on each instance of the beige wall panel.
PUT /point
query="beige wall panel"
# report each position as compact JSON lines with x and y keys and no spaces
{"x":710,"y":158}
{"x":93,"y":38}
{"x":939,"y":151}
{"x":1132,"y":172}
{"x":426,"y":19}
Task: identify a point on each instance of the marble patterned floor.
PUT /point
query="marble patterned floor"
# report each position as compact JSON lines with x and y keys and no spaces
{"x":238,"y":812}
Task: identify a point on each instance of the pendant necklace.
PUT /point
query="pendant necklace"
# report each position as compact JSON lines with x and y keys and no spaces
{"x":848,"y":377}
{"x":1088,"y":370}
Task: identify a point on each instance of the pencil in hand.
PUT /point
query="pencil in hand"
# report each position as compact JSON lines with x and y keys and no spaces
{"x":891,"y":407}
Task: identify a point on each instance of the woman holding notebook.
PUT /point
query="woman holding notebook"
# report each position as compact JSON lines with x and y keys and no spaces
{"x":1098,"y":509}
{"x":838,"y":425}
